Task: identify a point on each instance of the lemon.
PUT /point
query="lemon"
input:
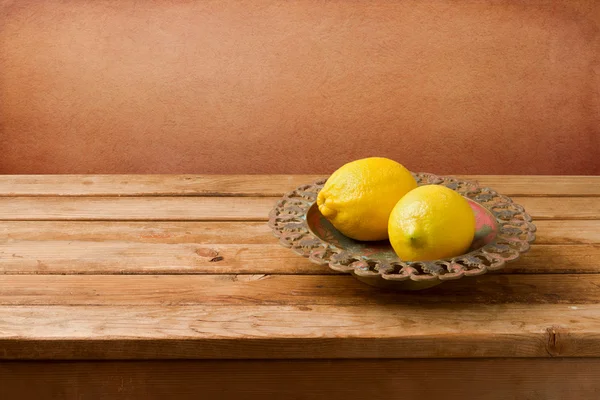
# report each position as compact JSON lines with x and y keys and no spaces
{"x":358,"y":197}
{"x":431,"y":222}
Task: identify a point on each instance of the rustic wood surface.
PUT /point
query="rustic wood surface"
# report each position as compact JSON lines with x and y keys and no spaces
{"x":146,"y":267}
{"x":457,"y":379}
{"x":110,"y":257}
{"x":212,"y":208}
{"x":256,"y":185}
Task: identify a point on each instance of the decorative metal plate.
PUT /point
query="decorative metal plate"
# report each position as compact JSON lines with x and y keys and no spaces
{"x":503,"y":231}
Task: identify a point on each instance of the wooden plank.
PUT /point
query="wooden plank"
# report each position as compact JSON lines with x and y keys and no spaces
{"x":256,"y":185}
{"x":119,"y":257}
{"x":166,"y":232}
{"x":81,"y":257}
{"x":339,"y":290}
{"x":489,"y":379}
{"x":226,"y":208}
{"x":540,"y":185}
{"x":561,"y":207}
{"x":151,"y":185}
{"x":220,"y":232}
{"x":565,"y":232}
{"x":557,"y":259}
{"x":298,"y":332}
{"x":136,"y":208}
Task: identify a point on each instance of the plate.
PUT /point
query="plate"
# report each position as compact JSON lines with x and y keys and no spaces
{"x":503,"y":232}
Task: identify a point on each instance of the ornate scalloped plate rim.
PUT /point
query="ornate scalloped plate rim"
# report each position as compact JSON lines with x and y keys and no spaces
{"x":515,"y":233}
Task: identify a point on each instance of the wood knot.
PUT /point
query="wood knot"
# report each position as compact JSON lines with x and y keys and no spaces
{"x":554,"y":343}
{"x":211,"y":254}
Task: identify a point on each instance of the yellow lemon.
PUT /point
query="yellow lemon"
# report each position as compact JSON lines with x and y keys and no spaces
{"x":431,"y":222}
{"x":358,"y":197}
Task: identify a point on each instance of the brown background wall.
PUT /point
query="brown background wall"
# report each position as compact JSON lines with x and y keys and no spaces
{"x":299,"y":86}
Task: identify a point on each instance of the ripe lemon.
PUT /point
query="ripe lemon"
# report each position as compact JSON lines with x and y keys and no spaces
{"x":431,"y":222}
{"x":358,"y":197}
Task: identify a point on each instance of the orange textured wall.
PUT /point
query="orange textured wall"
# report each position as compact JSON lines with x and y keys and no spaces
{"x":300,"y":86}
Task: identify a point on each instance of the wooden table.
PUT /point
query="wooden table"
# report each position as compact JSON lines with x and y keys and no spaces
{"x":173,"y":287}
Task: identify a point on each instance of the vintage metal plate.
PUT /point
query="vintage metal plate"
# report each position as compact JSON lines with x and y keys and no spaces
{"x":503,"y":231}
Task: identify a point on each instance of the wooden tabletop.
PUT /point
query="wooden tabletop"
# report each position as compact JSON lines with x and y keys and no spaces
{"x":185,"y":267}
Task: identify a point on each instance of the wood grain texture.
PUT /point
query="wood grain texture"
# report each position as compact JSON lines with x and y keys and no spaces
{"x":152,"y":185}
{"x":220,"y":232}
{"x":225,"y":208}
{"x":300,"y":331}
{"x":120,"y":257}
{"x":136,"y":208}
{"x":160,"y":232}
{"x":157,"y":276}
{"x":557,"y":259}
{"x":169,"y":232}
{"x":259,"y":290}
{"x":489,"y":379}
{"x":257,"y":185}
{"x":80,"y":257}
{"x":540,"y":185}
{"x":563,"y":232}
{"x":561,"y":207}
